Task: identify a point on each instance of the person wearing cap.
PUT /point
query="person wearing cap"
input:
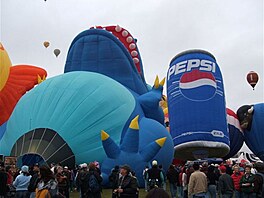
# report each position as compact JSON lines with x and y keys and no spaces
{"x":21,"y":183}
{"x":33,"y":183}
{"x":80,"y":178}
{"x":247,"y":183}
{"x":225,"y":185}
{"x":198,"y":183}
{"x":154,"y":176}
{"x":236,"y":176}
{"x":126,"y":185}
{"x":3,"y":180}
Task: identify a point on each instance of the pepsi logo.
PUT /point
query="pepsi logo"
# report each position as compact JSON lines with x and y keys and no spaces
{"x":197,"y":85}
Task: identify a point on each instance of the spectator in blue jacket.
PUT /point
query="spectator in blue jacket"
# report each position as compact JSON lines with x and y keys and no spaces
{"x":21,"y":183}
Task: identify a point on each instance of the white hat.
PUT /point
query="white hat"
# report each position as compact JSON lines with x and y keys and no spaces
{"x":24,"y":169}
{"x":65,"y":167}
{"x":154,"y":163}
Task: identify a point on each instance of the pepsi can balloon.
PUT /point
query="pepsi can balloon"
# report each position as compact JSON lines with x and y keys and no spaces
{"x":196,"y":103}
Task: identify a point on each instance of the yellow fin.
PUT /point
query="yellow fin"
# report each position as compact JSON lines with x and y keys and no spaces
{"x":162,"y":82}
{"x":156,"y":83}
{"x":104,"y":135}
{"x":134,"y":123}
{"x":161,"y":141}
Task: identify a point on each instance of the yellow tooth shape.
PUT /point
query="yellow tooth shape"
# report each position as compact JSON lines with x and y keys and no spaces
{"x":134,"y":123}
{"x":104,"y":135}
{"x":40,"y":80}
{"x":161,"y":141}
{"x":156,"y":83}
{"x":162,"y":82}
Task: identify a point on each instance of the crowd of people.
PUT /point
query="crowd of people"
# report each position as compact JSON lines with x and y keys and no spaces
{"x":189,"y":180}
{"x":209,"y":181}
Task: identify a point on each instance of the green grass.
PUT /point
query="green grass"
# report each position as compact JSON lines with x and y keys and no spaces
{"x":107,"y":193}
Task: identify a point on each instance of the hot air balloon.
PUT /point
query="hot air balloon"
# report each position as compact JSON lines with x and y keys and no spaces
{"x":252,"y":78}
{"x":46,"y":44}
{"x":15,"y":81}
{"x":251,"y":121}
{"x":196,"y":101}
{"x":56,"y":52}
{"x":236,"y":135}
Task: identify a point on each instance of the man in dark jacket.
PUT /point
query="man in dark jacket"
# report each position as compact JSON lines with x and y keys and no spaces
{"x":126,"y":185}
{"x":173,"y":177}
{"x":33,"y":183}
{"x":3,"y":180}
{"x":259,"y":179}
{"x":225,"y":185}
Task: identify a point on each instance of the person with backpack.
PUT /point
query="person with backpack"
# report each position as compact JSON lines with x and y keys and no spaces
{"x":47,"y":186}
{"x":145,"y":171}
{"x":33,"y":183}
{"x":94,"y":182}
{"x":126,"y":185}
{"x":154,"y":176}
{"x":259,"y":179}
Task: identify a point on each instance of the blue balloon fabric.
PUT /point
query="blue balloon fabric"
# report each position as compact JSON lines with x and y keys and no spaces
{"x":196,"y":104}
{"x":103,"y":88}
{"x":236,"y":135}
{"x":99,"y":51}
{"x":255,"y":137}
{"x":2,"y":130}
{"x":77,"y":105}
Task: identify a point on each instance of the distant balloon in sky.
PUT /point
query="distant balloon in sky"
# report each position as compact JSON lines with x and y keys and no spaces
{"x":46,"y":44}
{"x":56,"y":52}
{"x":252,"y":78}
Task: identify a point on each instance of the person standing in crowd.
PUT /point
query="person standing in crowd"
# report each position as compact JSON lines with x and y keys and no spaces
{"x":247,"y":183}
{"x":62,"y":181}
{"x":154,"y":176}
{"x":184,"y":183}
{"x":94,"y":182}
{"x":81,"y":179}
{"x":236,"y":176}
{"x":163,"y":185}
{"x":3,"y":180}
{"x":10,"y":175}
{"x":173,"y":177}
{"x":47,"y":186}
{"x":33,"y":183}
{"x":145,"y":172}
{"x":259,"y":179}
{"x":113,"y":176}
{"x":126,"y":186}
{"x":212,"y":181}
{"x":198,"y":183}
{"x":21,"y":183}
{"x":225,"y":184}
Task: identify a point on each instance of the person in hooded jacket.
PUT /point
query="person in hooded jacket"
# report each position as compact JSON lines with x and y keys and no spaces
{"x":21,"y":183}
{"x":236,"y":176}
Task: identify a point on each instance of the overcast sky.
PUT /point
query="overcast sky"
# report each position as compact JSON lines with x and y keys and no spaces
{"x":232,"y":30}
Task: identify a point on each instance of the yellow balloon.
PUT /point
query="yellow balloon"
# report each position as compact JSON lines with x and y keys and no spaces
{"x":5,"y":65}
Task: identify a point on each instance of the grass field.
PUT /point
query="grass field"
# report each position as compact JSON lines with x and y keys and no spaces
{"x":107,"y":193}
